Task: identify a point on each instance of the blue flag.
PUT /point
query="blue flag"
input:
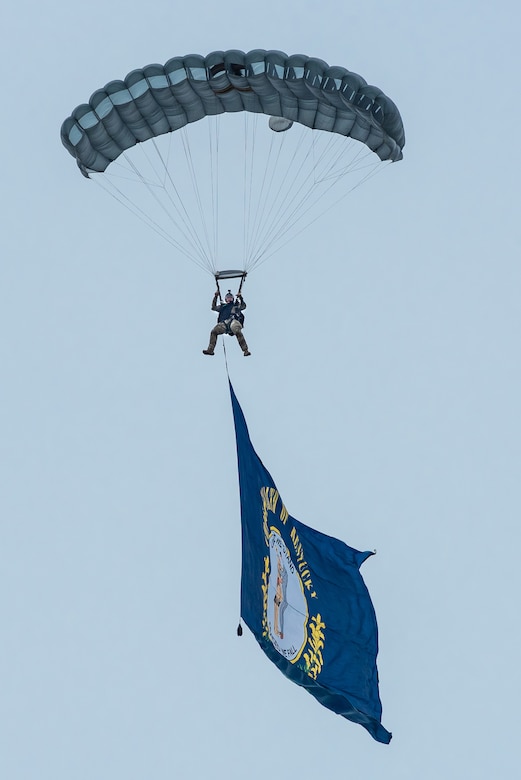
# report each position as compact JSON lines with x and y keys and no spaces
{"x":304,"y":599}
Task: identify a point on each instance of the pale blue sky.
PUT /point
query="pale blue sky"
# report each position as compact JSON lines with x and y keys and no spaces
{"x":382,"y":394}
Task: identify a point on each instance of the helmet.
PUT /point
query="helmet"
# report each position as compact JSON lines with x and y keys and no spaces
{"x":228,"y":297}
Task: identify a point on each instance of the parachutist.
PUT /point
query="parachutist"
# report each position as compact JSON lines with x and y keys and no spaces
{"x":230,"y":320}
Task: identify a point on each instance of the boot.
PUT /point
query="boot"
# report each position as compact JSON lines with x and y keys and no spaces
{"x":208,"y":352}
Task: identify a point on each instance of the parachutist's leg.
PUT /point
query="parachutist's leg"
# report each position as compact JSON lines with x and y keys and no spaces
{"x":217,"y":331}
{"x":242,"y":344}
{"x":236,"y":328}
{"x":211,"y":345}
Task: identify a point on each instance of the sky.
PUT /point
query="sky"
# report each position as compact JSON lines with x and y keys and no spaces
{"x":382,"y":394}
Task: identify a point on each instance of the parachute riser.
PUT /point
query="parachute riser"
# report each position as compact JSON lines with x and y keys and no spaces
{"x":230,"y":275}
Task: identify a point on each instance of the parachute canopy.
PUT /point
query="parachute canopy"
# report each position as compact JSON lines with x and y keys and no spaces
{"x":227,"y":198}
{"x":162,"y":98}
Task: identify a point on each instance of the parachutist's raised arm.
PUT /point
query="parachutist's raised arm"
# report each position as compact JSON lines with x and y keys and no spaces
{"x":215,"y":307}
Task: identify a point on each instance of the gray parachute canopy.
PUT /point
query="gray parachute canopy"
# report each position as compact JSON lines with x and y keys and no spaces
{"x":162,"y":98}
{"x":222,"y":186}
